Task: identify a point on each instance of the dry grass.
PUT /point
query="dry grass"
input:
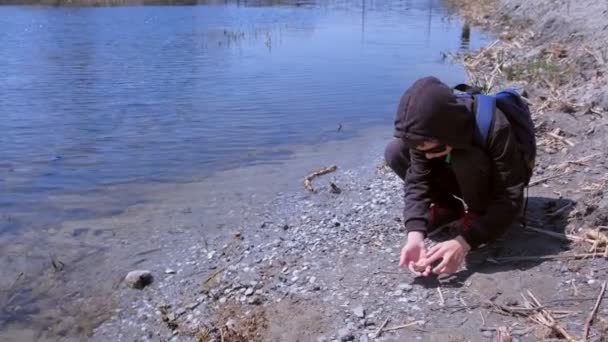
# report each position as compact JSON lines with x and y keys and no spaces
{"x":551,"y":70}
{"x":233,"y":323}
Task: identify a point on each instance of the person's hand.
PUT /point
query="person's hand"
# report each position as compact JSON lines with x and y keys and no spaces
{"x":452,"y":253}
{"x":413,"y":253}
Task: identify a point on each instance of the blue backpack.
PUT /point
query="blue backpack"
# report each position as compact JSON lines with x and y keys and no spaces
{"x":515,"y":108}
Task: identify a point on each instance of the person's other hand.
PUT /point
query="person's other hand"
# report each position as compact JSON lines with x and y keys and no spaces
{"x":451,"y":253}
{"x":413,"y":253}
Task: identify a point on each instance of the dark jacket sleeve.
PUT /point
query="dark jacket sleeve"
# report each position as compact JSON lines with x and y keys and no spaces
{"x":417,"y":198}
{"x":509,"y":182}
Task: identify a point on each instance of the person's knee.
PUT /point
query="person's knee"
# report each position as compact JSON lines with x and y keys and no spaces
{"x":392,"y":153}
{"x":396,"y":157}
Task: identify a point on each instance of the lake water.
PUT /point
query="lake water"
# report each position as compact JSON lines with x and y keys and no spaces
{"x":91,"y":98}
{"x":98,"y":96}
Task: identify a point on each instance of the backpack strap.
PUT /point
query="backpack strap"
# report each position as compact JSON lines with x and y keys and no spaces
{"x":485,"y":106}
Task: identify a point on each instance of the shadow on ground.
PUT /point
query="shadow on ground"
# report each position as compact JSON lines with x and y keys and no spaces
{"x":546,"y":213}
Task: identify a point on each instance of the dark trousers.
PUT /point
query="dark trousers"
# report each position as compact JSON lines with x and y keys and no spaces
{"x":468,"y":176}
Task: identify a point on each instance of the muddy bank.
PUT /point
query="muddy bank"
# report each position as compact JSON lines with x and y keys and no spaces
{"x":324,"y":267}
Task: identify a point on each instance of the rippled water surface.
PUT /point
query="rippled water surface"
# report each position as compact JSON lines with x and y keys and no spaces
{"x":96,"y":96}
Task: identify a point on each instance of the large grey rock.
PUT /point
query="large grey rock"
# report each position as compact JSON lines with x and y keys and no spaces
{"x":139,"y":279}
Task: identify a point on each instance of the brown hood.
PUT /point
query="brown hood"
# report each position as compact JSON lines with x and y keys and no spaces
{"x":429,"y":110}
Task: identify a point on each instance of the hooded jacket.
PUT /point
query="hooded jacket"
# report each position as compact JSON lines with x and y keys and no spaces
{"x":429,"y":110}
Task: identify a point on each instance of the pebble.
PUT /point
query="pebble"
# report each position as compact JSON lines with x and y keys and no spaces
{"x":488,"y":334}
{"x":363,"y":338}
{"x":591,"y":281}
{"x":345,"y":334}
{"x":169,"y":271}
{"x":249,"y":291}
{"x":359,"y":311}
{"x":404,"y":287}
{"x":254,"y":300}
{"x":139,"y":279}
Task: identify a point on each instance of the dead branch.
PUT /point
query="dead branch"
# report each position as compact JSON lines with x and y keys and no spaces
{"x":308,"y":179}
{"x":544,"y":317}
{"x":593,"y":312}
{"x":379,"y":332}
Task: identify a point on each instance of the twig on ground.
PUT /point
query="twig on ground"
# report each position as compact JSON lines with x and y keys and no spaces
{"x":387,"y":272}
{"x":462,"y":301}
{"x":544,"y":317}
{"x":561,"y":210}
{"x":567,"y":237}
{"x":574,"y":287}
{"x":483,"y":320}
{"x":597,"y":236}
{"x":308,"y":179}
{"x":401,"y":326}
{"x":560,"y":138}
{"x":213,"y":275}
{"x":593,"y":312}
{"x":379,"y":332}
{"x":57,"y":264}
{"x":544,"y":257}
{"x":441,"y":299}
{"x":542,"y":180}
{"x":503,"y":334}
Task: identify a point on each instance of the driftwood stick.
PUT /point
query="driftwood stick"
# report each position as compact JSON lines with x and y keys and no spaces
{"x":593,"y":312}
{"x":308,"y":179}
{"x":379,"y":332}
